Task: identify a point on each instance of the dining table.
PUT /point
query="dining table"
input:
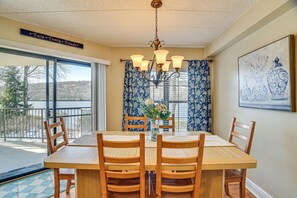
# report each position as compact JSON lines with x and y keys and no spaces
{"x":82,"y":155}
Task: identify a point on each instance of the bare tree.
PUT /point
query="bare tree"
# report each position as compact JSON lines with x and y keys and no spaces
{"x":32,"y":72}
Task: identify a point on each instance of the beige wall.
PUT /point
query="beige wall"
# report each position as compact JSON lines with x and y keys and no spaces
{"x":275,"y":137}
{"x":10,"y":31}
{"x":115,"y":78}
{"x":261,"y":13}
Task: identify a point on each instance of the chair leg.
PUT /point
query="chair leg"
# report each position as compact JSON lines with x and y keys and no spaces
{"x":151,"y":186}
{"x":151,"y":191}
{"x":68,"y":186}
{"x":242,"y":189}
{"x":227,"y":189}
{"x":57,"y":183}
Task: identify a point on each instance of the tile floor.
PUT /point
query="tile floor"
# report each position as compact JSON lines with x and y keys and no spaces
{"x":40,"y":185}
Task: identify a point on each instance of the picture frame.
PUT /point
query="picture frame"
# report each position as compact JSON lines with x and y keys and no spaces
{"x":266,"y":76}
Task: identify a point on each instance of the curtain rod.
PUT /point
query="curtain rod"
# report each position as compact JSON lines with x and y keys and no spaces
{"x":124,"y":60}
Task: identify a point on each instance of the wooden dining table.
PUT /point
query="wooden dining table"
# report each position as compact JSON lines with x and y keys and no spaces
{"x":82,"y":155}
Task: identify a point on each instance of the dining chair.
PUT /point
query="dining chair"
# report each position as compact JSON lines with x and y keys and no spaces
{"x":239,"y":175}
{"x":181,"y":183}
{"x":169,"y":126}
{"x":54,"y":132}
{"x":121,"y":182}
{"x":138,"y":126}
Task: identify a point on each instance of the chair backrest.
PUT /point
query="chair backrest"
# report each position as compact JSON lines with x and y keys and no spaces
{"x":140,"y":126}
{"x":169,"y":126}
{"x":53,"y":133}
{"x":196,"y":174}
{"x":247,"y":139}
{"x":106,"y":173}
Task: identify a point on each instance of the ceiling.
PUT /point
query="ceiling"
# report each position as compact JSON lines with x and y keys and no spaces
{"x":130,"y":23}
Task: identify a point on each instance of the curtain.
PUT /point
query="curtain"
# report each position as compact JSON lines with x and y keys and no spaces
{"x":99,"y":96}
{"x":199,"y":96}
{"x":135,"y":87}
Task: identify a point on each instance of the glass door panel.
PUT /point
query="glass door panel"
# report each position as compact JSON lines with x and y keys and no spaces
{"x":74,"y":97}
{"x":34,"y":88}
{"x":23,"y":144}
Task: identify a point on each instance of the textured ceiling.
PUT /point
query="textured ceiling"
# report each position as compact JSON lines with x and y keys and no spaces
{"x":130,"y":23}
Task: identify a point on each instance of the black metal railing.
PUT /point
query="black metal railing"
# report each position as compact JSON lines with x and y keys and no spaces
{"x":28,"y":123}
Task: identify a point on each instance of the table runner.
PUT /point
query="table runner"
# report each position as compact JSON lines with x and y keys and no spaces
{"x":210,"y":140}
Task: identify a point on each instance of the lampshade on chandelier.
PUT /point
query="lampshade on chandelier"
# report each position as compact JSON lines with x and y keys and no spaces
{"x":145,"y":67}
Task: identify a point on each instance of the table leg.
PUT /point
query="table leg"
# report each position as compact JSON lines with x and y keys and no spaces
{"x":212,"y":184}
{"x":88,"y":183}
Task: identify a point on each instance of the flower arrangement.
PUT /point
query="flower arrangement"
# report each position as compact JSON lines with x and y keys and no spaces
{"x":153,"y":111}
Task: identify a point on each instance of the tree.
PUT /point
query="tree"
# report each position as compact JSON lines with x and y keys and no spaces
{"x":38,"y":72}
{"x":13,"y":90}
{"x":15,"y":83}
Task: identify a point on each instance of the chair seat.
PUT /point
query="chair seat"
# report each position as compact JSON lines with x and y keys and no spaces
{"x":128,"y":182}
{"x":172,"y":182}
{"x":176,"y":182}
{"x":66,"y":171}
{"x":232,"y":175}
{"x":124,"y":195}
{"x":125,"y":182}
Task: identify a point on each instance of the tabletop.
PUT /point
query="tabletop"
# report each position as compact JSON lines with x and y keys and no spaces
{"x":81,"y":156}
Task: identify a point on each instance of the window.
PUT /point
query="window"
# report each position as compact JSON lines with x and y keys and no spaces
{"x":175,"y":94}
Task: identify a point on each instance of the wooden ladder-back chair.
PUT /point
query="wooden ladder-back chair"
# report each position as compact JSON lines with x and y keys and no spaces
{"x":236,"y":175}
{"x":59,"y":174}
{"x":131,"y":118}
{"x":169,"y":126}
{"x":136,"y":178}
{"x":189,"y":181}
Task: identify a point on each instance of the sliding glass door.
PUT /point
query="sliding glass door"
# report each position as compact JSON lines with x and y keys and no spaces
{"x":35,"y":88}
{"x":22,"y":112}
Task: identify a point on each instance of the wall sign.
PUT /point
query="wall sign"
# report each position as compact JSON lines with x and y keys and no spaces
{"x":51,"y":38}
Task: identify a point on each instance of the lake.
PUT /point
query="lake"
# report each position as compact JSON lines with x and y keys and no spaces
{"x":61,"y":104}
{"x":180,"y":111}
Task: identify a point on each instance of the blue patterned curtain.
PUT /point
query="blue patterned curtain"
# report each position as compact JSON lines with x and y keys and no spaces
{"x":135,"y":86}
{"x":199,"y":99}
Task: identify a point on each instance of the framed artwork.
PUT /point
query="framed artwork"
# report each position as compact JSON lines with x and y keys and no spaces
{"x":267,"y":76}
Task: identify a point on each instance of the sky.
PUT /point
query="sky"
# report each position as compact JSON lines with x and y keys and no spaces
{"x":77,"y":73}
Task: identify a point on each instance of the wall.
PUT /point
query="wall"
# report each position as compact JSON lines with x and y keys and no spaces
{"x":115,"y":78}
{"x":115,"y":72}
{"x":10,"y":31}
{"x":275,"y":137}
{"x":261,"y":13}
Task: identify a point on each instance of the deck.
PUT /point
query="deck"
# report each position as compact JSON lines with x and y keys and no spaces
{"x":21,"y":155}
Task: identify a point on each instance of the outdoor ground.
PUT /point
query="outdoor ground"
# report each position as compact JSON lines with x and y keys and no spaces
{"x":16,"y":154}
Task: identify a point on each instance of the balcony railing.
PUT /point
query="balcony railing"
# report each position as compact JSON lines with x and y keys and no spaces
{"x":28,"y":123}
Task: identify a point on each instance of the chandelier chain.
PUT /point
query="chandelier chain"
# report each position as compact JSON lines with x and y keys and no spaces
{"x":160,"y":74}
{"x":156,"y":23}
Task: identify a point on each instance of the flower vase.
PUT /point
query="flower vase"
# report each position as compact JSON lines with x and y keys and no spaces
{"x":154,"y":130}
{"x":278,"y":79}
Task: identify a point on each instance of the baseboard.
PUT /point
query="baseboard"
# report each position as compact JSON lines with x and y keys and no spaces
{"x":256,"y":190}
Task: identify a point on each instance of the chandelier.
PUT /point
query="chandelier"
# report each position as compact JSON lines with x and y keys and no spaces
{"x":159,"y":61}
